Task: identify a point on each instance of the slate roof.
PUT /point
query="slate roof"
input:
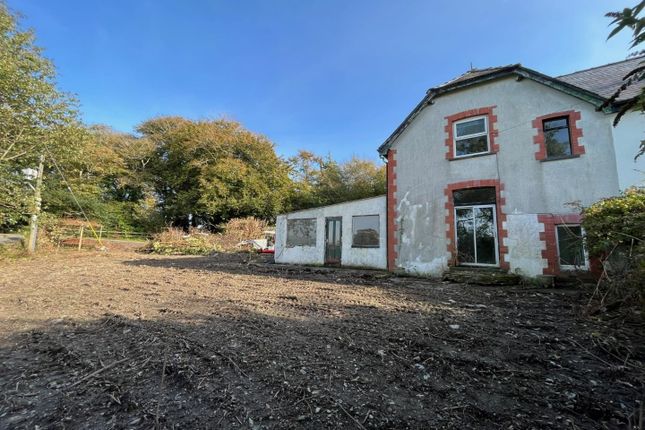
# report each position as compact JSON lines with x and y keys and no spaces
{"x":605,"y":80}
{"x":475,"y":73}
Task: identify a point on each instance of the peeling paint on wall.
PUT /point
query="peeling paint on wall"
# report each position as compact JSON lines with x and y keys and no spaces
{"x":524,"y":244}
{"x":531,"y":187}
{"x":435,"y":267}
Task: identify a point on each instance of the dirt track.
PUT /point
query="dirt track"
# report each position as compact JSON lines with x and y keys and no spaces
{"x":135,"y":341}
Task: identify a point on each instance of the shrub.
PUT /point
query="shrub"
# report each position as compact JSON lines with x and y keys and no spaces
{"x":615,"y":222}
{"x":174,"y":241}
{"x":615,"y":233}
{"x":239,"y":229}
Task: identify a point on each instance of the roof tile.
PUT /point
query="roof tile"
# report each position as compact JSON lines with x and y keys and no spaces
{"x":605,"y":80}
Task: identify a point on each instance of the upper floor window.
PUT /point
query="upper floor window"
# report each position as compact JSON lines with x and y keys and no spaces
{"x":557,"y":137}
{"x":471,"y":136}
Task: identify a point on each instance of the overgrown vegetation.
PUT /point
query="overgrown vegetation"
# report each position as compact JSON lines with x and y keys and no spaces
{"x":615,"y":233}
{"x":175,"y":241}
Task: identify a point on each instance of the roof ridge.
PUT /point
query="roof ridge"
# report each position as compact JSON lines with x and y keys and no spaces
{"x":476,"y":70}
{"x":601,"y":66}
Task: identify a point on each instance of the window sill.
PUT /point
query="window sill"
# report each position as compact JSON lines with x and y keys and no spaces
{"x":574,"y":269}
{"x":462,"y":157}
{"x":366,"y":246}
{"x":567,"y":157}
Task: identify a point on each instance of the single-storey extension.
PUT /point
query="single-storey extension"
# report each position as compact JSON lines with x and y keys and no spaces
{"x":351,"y":234}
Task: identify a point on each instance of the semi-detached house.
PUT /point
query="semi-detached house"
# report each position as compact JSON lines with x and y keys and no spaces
{"x":485,"y":172}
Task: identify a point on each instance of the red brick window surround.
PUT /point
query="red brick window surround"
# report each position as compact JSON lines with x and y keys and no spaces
{"x":493,"y":147}
{"x":550,"y":253}
{"x":392,"y":213}
{"x":500,"y":201}
{"x":575,"y":133}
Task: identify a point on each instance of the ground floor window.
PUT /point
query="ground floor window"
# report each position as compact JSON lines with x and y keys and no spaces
{"x":476,"y":235}
{"x":365,"y":231}
{"x":301,"y":232}
{"x":476,"y":226}
{"x":571,"y":252}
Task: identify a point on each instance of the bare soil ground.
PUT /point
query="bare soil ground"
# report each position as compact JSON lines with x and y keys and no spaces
{"x":91,"y":340}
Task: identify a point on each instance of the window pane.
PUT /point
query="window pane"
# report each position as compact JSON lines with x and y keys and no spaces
{"x":485,"y":236}
{"x":471,"y":127}
{"x":465,"y":236}
{"x":365,"y":231}
{"x":557,"y":142}
{"x":474,"y":196}
{"x":474,"y":145}
{"x":555,"y":123}
{"x":301,"y":232}
{"x":570,"y":245}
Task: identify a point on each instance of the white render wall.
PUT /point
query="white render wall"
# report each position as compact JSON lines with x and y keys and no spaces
{"x":355,"y":257}
{"x":628,"y":135}
{"x":530,"y":186}
{"x":524,"y":244}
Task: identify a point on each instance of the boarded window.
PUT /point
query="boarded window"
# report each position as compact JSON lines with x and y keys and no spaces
{"x":301,"y":232}
{"x":365,"y":231}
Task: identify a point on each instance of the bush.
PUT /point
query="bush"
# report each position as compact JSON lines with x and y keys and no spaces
{"x":239,"y":229}
{"x":615,"y":233}
{"x":615,"y":222}
{"x":174,"y":241}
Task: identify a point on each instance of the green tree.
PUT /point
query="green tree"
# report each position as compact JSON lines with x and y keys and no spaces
{"x":207,"y":172}
{"x":110,"y":181}
{"x":35,"y":117}
{"x":630,"y":18}
{"x":322,"y":181}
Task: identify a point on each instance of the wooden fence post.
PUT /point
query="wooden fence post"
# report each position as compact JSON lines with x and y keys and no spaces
{"x":80,"y":239}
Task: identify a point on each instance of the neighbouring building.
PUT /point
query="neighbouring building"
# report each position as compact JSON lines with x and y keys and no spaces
{"x":486,"y":171}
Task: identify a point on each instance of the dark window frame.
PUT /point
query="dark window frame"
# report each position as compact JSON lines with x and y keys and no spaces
{"x":585,"y":256}
{"x":568,"y":128}
{"x":464,"y":193}
{"x":379,"y":231}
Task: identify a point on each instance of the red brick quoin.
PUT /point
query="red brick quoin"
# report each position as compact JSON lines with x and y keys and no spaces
{"x":550,"y":253}
{"x":501,"y":217}
{"x":492,"y":132}
{"x":392,"y":239}
{"x":574,"y":132}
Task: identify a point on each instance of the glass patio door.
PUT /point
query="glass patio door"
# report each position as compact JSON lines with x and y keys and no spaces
{"x":476,"y":231}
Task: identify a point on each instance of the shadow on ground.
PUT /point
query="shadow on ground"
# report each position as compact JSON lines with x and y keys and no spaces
{"x":488,"y":363}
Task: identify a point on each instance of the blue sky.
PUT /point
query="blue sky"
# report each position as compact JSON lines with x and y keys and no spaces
{"x":328,"y":76}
